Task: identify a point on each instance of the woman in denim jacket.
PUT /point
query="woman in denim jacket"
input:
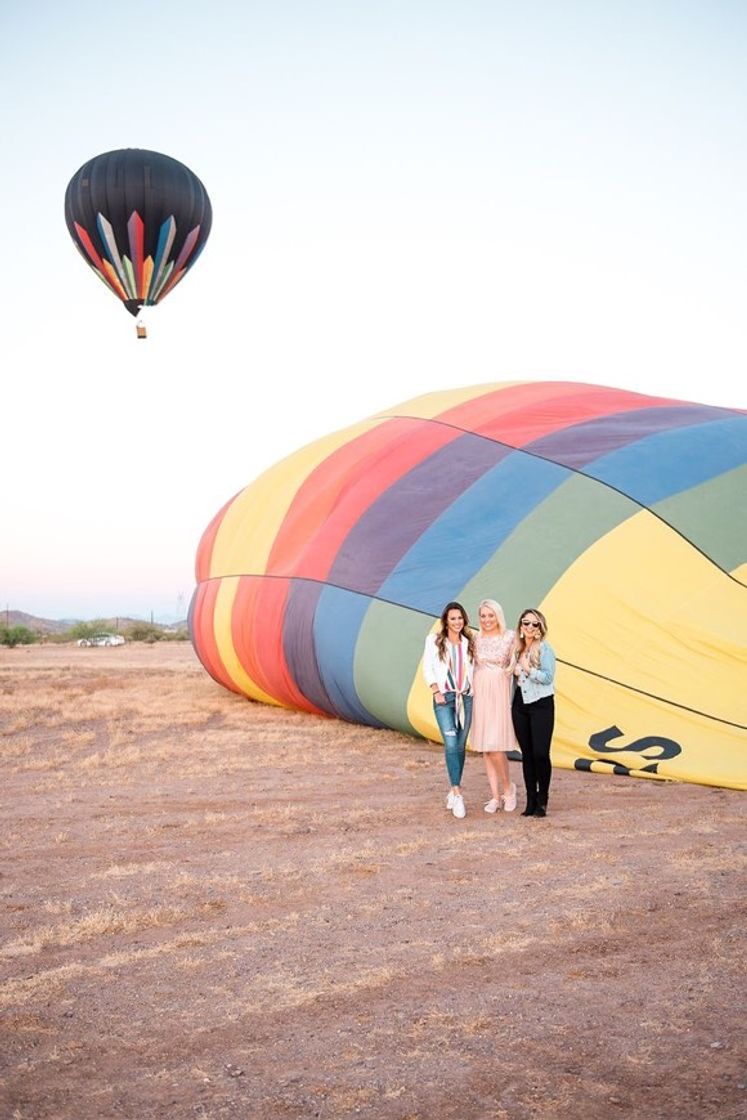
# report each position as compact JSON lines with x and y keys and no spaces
{"x":448,"y":660}
{"x":533,"y":707}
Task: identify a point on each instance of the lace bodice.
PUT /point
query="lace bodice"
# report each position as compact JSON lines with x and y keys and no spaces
{"x":494,"y":653}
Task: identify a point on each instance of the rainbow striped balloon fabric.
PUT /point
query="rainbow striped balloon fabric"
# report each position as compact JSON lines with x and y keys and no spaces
{"x":621,"y":516}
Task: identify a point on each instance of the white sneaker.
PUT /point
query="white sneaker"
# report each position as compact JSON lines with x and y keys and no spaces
{"x":493,"y":805}
{"x":509,"y":801}
{"x":450,"y":800}
{"x":458,"y":808}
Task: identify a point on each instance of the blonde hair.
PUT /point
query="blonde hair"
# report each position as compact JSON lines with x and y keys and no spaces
{"x":520,"y":644}
{"x":497,"y":610}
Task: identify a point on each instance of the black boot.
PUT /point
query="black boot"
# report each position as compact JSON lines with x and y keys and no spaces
{"x":540,"y":811}
{"x":531,"y":807}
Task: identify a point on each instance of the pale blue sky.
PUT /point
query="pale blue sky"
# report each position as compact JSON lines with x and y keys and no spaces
{"x":407,"y":196}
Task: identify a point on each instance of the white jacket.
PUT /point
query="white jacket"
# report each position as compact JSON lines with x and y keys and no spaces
{"x":435,"y":670}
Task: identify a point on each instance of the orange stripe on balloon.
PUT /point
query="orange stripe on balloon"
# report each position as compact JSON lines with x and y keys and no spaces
{"x":103,"y":268}
{"x":147,"y":273}
{"x":257,"y":635}
{"x":336,"y":494}
{"x":114,"y":280}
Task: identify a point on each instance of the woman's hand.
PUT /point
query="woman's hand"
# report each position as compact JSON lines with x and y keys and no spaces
{"x":439,"y":697}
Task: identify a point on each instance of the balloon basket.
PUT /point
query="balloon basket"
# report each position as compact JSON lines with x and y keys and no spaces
{"x":141,"y":331}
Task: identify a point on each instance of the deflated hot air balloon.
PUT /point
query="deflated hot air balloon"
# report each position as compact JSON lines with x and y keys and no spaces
{"x":140,"y":219}
{"x":621,"y":516}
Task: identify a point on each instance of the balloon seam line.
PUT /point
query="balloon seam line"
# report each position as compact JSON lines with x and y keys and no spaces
{"x":427,"y":614}
{"x":582,"y":474}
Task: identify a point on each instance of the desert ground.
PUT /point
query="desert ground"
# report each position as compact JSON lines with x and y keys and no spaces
{"x":212,"y":908}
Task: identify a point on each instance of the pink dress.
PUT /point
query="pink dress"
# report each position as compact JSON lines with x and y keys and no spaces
{"x":492,"y":726}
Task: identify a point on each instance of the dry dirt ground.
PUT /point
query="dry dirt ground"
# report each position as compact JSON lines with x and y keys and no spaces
{"x":216,"y":909}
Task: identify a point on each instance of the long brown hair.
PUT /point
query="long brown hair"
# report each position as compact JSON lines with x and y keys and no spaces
{"x":441,"y":636}
{"x":520,"y":644}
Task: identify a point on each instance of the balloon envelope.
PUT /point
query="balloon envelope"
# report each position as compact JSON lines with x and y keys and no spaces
{"x":140,"y":220}
{"x":621,"y":516}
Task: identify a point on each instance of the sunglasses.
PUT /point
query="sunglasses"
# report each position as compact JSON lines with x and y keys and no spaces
{"x":530,"y":622}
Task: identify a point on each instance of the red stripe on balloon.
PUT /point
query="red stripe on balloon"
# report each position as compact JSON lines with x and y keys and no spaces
{"x":337,"y":492}
{"x":135,"y":233}
{"x":88,"y":246}
{"x":203,"y":631}
{"x":257,"y":635}
{"x":523,"y":413}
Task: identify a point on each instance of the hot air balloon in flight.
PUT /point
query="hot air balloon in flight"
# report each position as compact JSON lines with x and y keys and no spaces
{"x":623,"y":517}
{"x":140,"y":219}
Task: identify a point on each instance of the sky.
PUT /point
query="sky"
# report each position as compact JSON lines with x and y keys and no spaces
{"x":407,"y":196}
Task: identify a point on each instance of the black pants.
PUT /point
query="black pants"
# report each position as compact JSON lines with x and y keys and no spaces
{"x":533,"y":724}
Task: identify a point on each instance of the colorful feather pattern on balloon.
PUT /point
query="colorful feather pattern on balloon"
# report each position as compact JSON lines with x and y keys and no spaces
{"x":140,"y":219}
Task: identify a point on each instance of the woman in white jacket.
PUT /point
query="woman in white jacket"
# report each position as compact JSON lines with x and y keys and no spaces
{"x":448,"y":661}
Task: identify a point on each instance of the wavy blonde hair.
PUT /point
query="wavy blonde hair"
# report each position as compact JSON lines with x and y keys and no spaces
{"x":497,"y":610}
{"x":520,"y":644}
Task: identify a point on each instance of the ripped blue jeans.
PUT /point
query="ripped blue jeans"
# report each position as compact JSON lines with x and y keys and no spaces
{"x":455,"y":738}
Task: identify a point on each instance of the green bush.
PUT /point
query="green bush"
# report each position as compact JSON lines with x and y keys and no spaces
{"x":86,"y":629}
{"x":144,"y":632}
{"x":181,"y":635}
{"x":17,"y":636}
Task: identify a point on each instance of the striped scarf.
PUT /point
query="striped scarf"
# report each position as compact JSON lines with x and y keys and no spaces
{"x":456,"y":680}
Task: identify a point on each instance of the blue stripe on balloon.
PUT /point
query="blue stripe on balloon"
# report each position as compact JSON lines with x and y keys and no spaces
{"x":462,"y":540}
{"x":385,"y":532}
{"x":164,"y":235}
{"x":583,"y":443}
{"x":668,"y":463}
{"x":339,"y":617}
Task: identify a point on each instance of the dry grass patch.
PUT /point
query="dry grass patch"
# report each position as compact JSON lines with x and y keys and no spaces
{"x":98,"y":923}
{"x":163,"y":890}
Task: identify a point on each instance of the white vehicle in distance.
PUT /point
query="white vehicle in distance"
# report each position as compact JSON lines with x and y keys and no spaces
{"x":102,"y":640}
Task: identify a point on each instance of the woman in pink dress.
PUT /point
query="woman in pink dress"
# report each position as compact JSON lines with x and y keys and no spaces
{"x":492,"y":727}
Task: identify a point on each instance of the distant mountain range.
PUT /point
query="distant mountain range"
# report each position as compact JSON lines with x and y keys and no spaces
{"x":60,"y":625}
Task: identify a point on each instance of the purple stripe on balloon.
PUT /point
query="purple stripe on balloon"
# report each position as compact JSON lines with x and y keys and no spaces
{"x":581,"y":444}
{"x":187,"y":248}
{"x":298,"y":643}
{"x":404,"y":511}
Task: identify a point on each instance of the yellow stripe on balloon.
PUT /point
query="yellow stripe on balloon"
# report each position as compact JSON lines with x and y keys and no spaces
{"x":642,"y":587}
{"x":433,"y":404}
{"x":222,"y":631}
{"x":250,"y":524}
{"x":420,"y":704}
{"x":700,"y":749}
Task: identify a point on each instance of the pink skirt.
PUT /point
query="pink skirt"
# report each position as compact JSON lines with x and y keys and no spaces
{"x":492,"y":726}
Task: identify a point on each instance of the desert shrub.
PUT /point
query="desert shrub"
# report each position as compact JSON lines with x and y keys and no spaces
{"x":144,"y":632}
{"x":86,"y":629}
{"x":181,"y":635}
{"x":17,"y":636}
